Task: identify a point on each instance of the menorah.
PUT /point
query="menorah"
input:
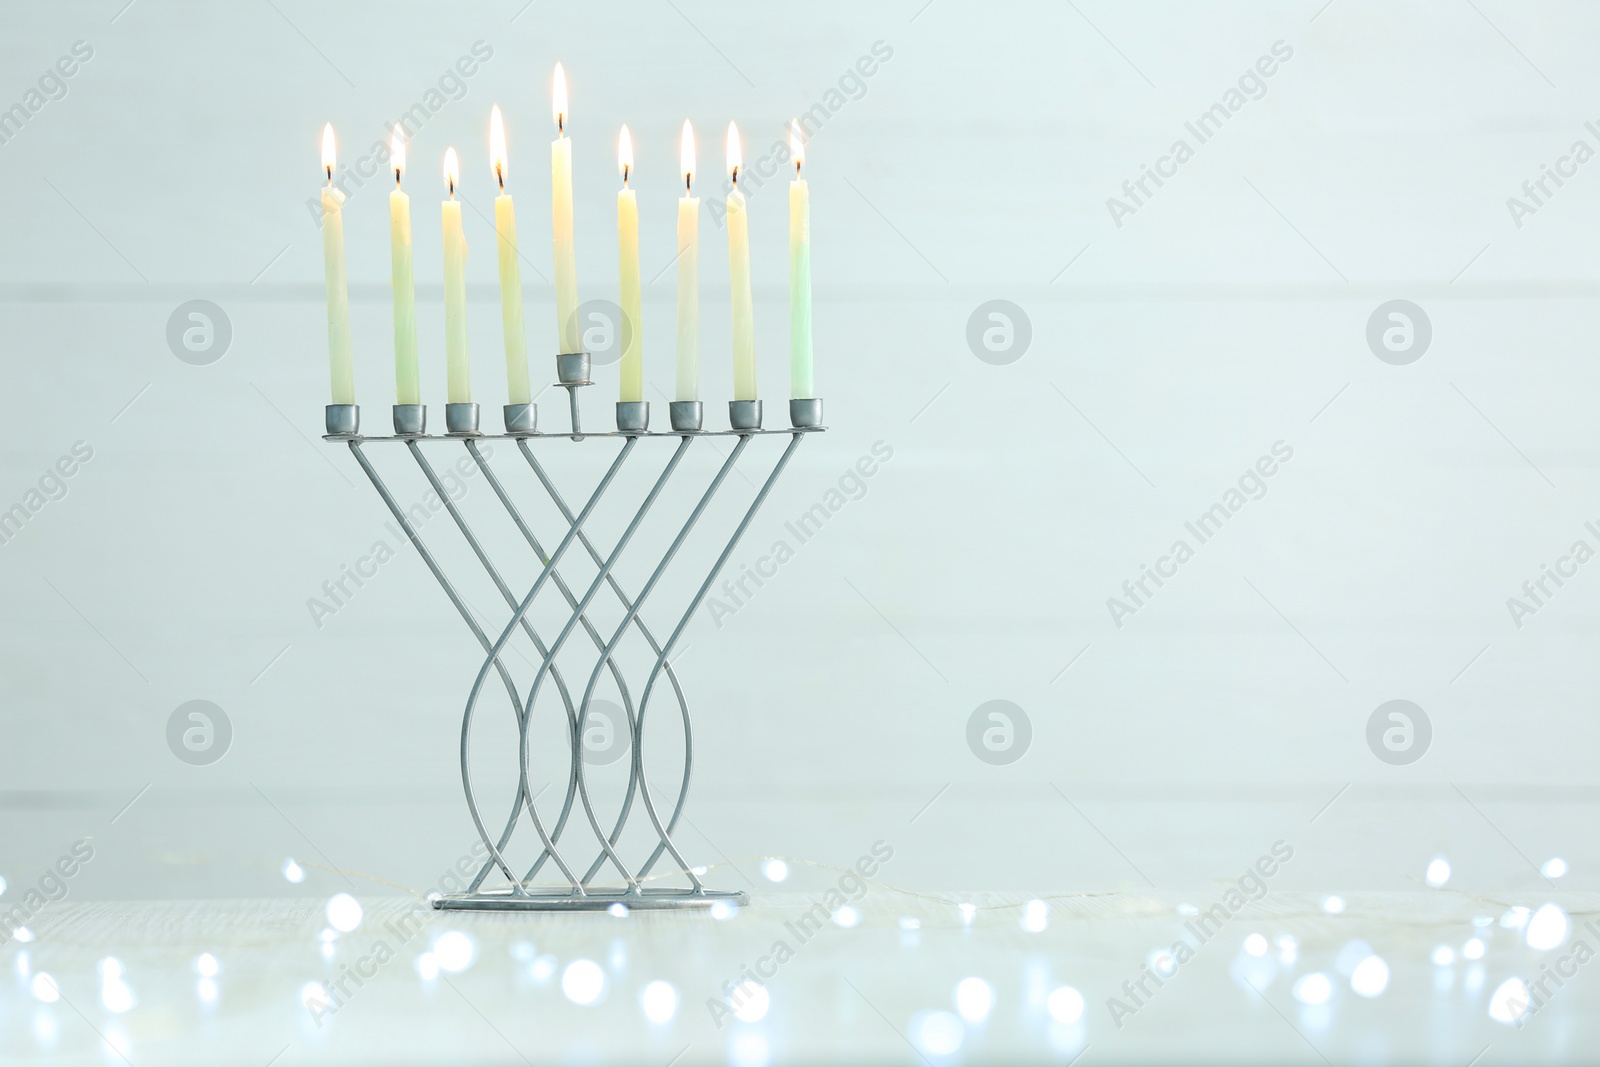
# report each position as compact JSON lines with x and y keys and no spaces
{"x":575,"y":891}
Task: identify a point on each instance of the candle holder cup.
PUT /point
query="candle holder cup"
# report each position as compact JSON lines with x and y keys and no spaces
{"x":410,"y":420}
{"x":342,"y":420}
{"x":634,"y":661}
{"x":521,"y":418}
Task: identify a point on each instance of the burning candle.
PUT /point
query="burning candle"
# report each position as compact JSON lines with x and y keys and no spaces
{"x":457,"y":373}
{"x":688,"y":363}
{"x":505,"y":225}
{"x":802,"y":381}
{"x":744,"y":328}
{"x":340,"y":366}
{"x":631,"y":389}
{"x":407,"y":387}
{"x":566,"y":263}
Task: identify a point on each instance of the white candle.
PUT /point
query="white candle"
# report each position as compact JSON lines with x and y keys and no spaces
{"x":744,"y":327}
{"x":566,"y":262}
{"x":340,"y":368}
{"x":802,"y":380}
{"x":631,"y":386}
{"x":457,"y":374}
{"x":505,"y":225}
{"x":688,"y":364}
{"x":407,"y":387}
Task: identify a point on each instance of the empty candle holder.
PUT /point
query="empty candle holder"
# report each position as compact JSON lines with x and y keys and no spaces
{"x":556,"y":867}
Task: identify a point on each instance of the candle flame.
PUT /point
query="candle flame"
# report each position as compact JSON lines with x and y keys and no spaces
{"x":797,"y":146}
{"x":686,"y":155}
{"x":397,"y":153}
{"x":497,"y":145}
{"x":558,"y":99}
{"x":452,"y":170}
{"x":625,"y":154}
{"x":327,"y":150}
{"x":735,"y":157}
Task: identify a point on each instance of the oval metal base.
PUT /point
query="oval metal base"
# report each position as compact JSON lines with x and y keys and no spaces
{"x":593,"y":900}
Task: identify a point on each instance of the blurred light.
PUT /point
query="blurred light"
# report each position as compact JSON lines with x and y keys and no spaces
{"x":454,"y":950}
{"x":619,"y":910}
{"x":974,"y":999}
{"x":751,"y":1001}
{"x":1314,"y":988}
{"x":1035,"y":916}
{"x":1256,"y":945}
{"x":22,"y":963}
{"x":1161,"y":963}
{"x":523,"y":951}
{"x":1438,"y":872}
{"x":2,"y":886}
{"x":1554,"y":867}
{"x":847,"y":917}
{"x":583,"y":981}
{"x":44,"y":988}
{"x":938,"y":1033}
{"x":23,"y":935}
{"x":659,"y":1000}
{"x":698,"y":870}
{"x":344,"y":913}
{"x":776,"y":870}
{"x":749,"y":1049}
{"x":206,"y":990}
{"x":909,"y":923}
{"x":968,"y":912}
{"x":315,"y":997}
{"x":206,"y":965}
{"x":428,"y":966}
{"x":1473,"y":981}
{"x":116,"y":996}
{"x":1443,"y":955}
{"x":45,"y":1028}
{"x":723,"y":910}
{"x":542,"y":968}
{"x":1333,"y":905}
{"x":1350,"y":955}
{"x":1515,"y":918}
{"x":292,"y":871}
{"x":1288,"y":948}
{"x":1371,"y":977}
{"x":1510,"y":1001}
{"x":110,"y":968}
{"x":1188,"y":910}
{"x":1548,"y":928}
{"x":1065,"y":1005}
{"x":1473,"y":949}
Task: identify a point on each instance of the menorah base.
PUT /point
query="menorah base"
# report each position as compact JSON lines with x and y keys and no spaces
{"x":593,"y":900}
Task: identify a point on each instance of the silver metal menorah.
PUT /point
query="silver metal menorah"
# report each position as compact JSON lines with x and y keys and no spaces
{"x":567,"y":888}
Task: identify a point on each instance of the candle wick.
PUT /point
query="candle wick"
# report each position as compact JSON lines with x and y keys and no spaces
{"x":561,"y":125}
{"x":688,"y":184}
{"x":329,"y":169}
{"x":625,"y":169}
{"x":500,"y":177}
{"x":797,"y":168}
{"x":397,"y":177}
{"x":735,"y":174}
{"x":452,"y":188}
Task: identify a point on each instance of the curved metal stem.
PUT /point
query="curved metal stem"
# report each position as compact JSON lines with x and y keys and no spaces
{"x":496,"y":859}
{"x":511,"y":628}
{"x":644,"y":630}
{"x":665,"y":833}
{"x":577,"y":740}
